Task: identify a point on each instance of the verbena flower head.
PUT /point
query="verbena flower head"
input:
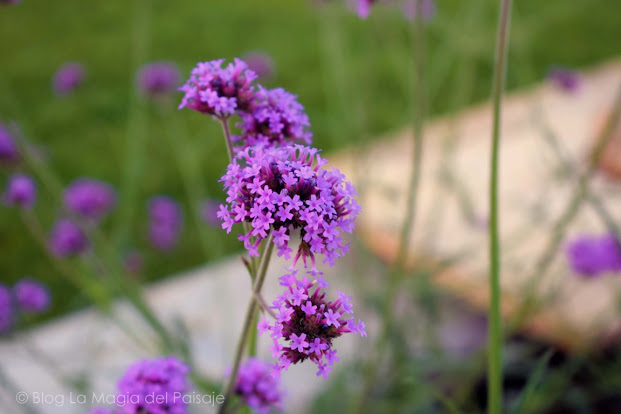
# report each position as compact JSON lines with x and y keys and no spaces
{"x":67,"y":78}
{"x":154,"y":386}
{"x":67,"y":239}
{"x":31,"y":296}
{"x":260,"y":63}
{"x":9,"y":152}
{"x":219,"y":91}
{"x":593,"y":255}
{"x":89,"y":198}
{"x":258,"y":388}
{"x":158,"y":78}
{"x":287,"y":190}
{"x":165,"y":222}
{"x":6,"y":309}
{"x":278,"y":119}
{"x":363,"y":8}
{"x":565,"y":79}
{"x":209,"y":213}
{"x":21,"y":191}
{"x":307,"y":323}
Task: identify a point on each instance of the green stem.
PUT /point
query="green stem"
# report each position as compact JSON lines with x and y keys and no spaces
{"x":495,"y":323}
{"x":227,"y":137}
{"x":248,"y":325}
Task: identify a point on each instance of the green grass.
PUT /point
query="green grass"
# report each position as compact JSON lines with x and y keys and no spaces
{"x":354,"y":77}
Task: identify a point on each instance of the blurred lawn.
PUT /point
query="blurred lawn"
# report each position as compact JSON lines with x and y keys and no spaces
{"x":354,"y":77}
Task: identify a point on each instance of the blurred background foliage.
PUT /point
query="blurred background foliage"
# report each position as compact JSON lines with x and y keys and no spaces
{"x":353,"y":76}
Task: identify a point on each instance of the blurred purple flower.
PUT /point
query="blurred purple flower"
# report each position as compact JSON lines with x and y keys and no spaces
{"x":307,"y":323}
{"x":158,"y":78}
{"x":427,"y":7}
{"x":21,"y":191}
{"x":68,"y":77}
{"x":89,"y":198}
{"x":165,"y":222}
{"x":219,"y":91}
{"x":260,"y":63}
{"x":363,"y":8}
{"x":593,"y":255}
{"x":10,"y":1}
{"x":258,"y":388}
{"x":67,"y":239}
{"x":6,"y":309}
{"x":155,"y":386}
{"x":209,"y":212}
{"x":9,"y":153}
{"x":31,"y":296}
{"x":278,"y":119}
{"x":565,"y":79}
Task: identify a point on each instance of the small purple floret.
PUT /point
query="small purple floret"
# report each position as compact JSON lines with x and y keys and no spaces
{"x":31,"y":296}
{"x":89,"y":198}
{"x":9,"y":153}
{"x":565,"y":79}
{"x":67,"y":78}
{"x":67,"y":239}
{"x":21,"y":191}
{"x":165,"y":222}
{"x":158,"y":78}
{"x":592,"y":256}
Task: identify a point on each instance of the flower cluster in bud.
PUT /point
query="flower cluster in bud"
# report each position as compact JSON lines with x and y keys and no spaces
{"x":67,"y":239}
{"x":594,"y":255}
{"x":67,"y":78}
{"x":307,"y":323}
{"x":281,"y":190}
{"x":277,"y":119}
{"x":21,"y":191}
{"x":154,"y":386}
{"x":90,"y":199}
{"x":257,"y":387}
{"x":214,"y":90}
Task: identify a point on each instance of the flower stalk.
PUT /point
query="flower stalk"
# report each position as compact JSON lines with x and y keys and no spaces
{"x":494,"y":380}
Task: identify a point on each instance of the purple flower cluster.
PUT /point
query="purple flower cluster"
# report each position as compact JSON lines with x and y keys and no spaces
{"x":257,"y":387}
{"x":67,"y":78}
{"x":280,"y":190}
{"x":219,"y":91}
{"x":90,"y":199}
{"x":6,"y":309}
{"x":363,"y":8}
{"x":154,"y":386}
{"x":158,"y":78}
{"x":27,"y":296}
{"x":9,"y":153}
{"x":31,"y":296}
{"x":565,"y":79}
{"x":21,"y":191}
{"x":592,"y":256}
{"x":165,"y":222}
{"x":67,"y":239}
{"x":260,"y":63}
{"x":307,"y":323}
{"x":277,"y":120}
